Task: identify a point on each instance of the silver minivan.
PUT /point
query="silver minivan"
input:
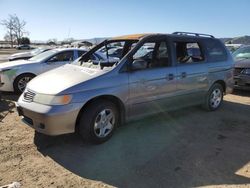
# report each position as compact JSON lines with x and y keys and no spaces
{"x":156,"y":72}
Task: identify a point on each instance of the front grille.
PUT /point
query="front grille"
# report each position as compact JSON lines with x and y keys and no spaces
{"x":28,"y":96}
{"x":237,"y":71}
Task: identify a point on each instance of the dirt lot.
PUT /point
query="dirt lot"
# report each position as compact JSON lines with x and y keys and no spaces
{"x":185,"y":148}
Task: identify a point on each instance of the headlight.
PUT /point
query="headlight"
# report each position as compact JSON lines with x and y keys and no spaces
{"x":52,"y":100}
{"x":246,"y":71}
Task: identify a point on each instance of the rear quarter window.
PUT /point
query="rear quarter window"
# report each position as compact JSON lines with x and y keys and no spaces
{"x":215,"y":50}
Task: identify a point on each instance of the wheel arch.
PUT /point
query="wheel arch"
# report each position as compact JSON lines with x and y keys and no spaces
{"x":222,"y":83}
{"x":119,"y":104}
{"x":21,"y":74}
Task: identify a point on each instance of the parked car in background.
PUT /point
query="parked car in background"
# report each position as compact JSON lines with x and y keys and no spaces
{"x":105,"y":48}
{"x":242,"y":68}
{"x":15,"y":75}
{"x":95,"y":99}
{"x":233,"y":47}
{"x":115,"y":52}
{"x":27,"y":55}
{"x":98,"y":57}
{"x":23,"y":47}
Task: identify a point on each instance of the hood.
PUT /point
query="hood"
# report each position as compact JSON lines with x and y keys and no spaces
{"x":12,"y":64}
{"x":21,"y":54}
{"x":242,"y":63}
{"x":57,"y":80}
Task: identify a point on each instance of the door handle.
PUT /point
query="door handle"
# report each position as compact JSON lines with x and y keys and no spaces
{"x":170,"y":76}
{"x":183,"y":75}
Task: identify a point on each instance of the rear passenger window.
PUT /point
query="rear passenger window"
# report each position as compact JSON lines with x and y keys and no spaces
{"x":80,"y":52}
{"x":215,"y":50}
{"x":188,"y":52}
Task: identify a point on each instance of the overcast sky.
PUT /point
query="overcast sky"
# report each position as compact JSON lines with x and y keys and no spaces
{"x":83,"y":19}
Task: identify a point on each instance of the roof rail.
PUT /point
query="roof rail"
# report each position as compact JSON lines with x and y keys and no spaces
{"x":195,"y":34}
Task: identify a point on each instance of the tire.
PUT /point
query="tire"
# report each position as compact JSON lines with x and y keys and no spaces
{"x":24,"y":78}
{"x":91,"y":126}
{"x":214,"y":97}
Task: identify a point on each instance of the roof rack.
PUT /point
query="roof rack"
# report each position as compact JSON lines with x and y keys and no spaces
{"x":195,"y":34}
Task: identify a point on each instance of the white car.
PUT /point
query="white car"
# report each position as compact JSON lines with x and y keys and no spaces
{"x":14,"y":75}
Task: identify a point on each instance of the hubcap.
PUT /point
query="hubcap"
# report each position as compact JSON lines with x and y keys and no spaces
{"x":23,"y":82}
{"x":215,"y":98}
{"x":104,"y":123}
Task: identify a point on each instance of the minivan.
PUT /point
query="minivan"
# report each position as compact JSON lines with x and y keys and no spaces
{"x":156,"y":72}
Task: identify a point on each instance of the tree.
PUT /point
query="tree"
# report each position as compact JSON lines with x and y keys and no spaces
{"x":15,"y":28}
{"x":24,"y":40}
{"x":9,"y":25}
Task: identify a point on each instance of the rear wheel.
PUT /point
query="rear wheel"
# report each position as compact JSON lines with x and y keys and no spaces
{"x":21,"y":81}
{"x":98,"y":121}
{"x":214,"y":97}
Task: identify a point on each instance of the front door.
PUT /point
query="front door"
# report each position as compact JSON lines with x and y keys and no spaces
{"x":152,"y":81}
{"x":58,"y":60}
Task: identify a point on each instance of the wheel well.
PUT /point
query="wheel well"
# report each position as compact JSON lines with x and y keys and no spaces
{"x":119,"y":104}
{"x":222,"y":83}
{"x":26,"y":73}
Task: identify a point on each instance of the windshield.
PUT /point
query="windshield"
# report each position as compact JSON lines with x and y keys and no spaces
{"x":242,"y":53}
{"x":43,"y":55}
{"x":108,"y":58}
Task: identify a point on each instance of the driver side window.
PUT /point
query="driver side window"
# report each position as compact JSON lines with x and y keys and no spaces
{"x":63,"y":56}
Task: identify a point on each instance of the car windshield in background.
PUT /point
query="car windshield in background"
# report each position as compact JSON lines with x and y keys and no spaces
{"x":242,"y":53}
{"x":43,"y":55}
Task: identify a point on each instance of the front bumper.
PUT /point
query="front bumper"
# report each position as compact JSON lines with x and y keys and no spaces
{"x":49,"y":120}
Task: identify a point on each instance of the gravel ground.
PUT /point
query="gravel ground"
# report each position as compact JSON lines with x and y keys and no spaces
{"x":185,"y":148}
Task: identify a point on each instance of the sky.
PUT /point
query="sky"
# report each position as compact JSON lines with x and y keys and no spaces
{"x":83,"y":19}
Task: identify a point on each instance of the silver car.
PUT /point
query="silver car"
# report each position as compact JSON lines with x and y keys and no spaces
{"x":94,"y":99}
{"x":15,"y":75}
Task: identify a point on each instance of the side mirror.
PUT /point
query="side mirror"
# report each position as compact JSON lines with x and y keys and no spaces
{"x":139,"y":64}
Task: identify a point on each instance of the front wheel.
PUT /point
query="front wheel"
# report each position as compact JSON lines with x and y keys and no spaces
{"x":214,"y":97}
{"x":21,"y":82}
{"x":98,"y":121}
